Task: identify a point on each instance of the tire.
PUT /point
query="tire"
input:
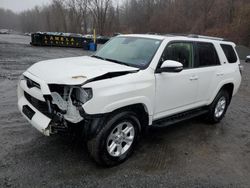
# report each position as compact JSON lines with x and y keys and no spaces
{"x":105,"y":147}
{"x":218,"y":108}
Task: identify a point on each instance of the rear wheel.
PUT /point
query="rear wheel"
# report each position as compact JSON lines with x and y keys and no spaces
{"x":219,"y":107}
{"x":116,"y":141}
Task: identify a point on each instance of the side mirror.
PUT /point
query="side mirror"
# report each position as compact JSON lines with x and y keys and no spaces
{"x":170,"y":66}
{"x":248,"y":59}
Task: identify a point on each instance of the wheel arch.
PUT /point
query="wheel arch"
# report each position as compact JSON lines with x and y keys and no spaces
{"x":139,"y":109}
{"x":228,"y":86}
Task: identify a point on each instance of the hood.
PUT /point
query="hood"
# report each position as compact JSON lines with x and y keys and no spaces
{"x":75,"y":70}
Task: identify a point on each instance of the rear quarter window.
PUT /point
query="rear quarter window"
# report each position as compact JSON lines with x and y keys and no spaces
{"x":229,"y":53}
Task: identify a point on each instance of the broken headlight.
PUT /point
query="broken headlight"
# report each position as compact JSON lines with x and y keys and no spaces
{"x":69,"y":99}
{"x":79,"y":96}
{"x":63,"y":95}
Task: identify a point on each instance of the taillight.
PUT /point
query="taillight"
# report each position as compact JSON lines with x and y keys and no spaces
{"x":241,"y":68}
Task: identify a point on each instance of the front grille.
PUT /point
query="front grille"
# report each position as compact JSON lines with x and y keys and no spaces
{"x":39,"y":105}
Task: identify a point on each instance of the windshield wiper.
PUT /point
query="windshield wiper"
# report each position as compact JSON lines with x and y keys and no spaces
{"x":98,"y":57}
{"x":112,"y":60}
{"x":119,"y":62}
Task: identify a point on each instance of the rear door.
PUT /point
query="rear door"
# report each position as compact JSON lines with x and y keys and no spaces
{"x":208,"y":69}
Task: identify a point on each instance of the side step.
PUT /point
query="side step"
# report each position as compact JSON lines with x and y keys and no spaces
{"x":173,"y":119}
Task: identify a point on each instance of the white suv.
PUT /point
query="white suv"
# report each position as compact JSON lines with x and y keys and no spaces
{"x":133,"y":82}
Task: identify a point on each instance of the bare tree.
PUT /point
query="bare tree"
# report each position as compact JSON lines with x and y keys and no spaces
{"x":205,"y":7}
{"x":225,"y":18}
{"x":99,"y":10}
{"x":8,"y":19}
{"x":78,"y":15}
{"x":57,"y":16}
{"x":231,"y":5}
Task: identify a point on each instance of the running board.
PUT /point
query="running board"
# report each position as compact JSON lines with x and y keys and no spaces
{"x":170,"y":120}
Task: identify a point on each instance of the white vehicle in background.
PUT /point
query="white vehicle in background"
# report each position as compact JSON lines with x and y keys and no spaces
{"x":89,"y":36}
{"x":133,"y":82}
{"x":248,"y":59}
{"x":4,"y":31}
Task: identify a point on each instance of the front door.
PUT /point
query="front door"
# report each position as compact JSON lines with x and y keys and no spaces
{"x":176,"y":92}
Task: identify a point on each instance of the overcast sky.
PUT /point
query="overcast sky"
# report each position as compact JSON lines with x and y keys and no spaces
{"x":20,"y":5}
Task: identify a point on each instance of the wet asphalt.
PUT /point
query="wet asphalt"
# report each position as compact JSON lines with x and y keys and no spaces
{"x":189,"y":154}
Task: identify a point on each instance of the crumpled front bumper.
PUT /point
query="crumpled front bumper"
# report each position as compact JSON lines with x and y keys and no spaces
{"x":37,"y":119}
{"x":34,"y":103}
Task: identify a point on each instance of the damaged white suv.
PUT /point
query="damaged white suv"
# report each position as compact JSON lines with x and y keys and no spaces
{"x":133,"y":82}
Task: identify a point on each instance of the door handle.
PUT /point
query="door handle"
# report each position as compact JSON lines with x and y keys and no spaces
{"x":192,"y":78}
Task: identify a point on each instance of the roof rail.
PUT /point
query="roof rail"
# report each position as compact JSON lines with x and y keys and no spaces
{"x":176,"y":34}
{"x":153,"y":33}
{"x":205,"y":37}
{"x":189,"y":35}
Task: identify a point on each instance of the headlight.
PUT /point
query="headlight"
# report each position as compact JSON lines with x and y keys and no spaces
{"x":81,"y":95}
{"x":64,"y":96}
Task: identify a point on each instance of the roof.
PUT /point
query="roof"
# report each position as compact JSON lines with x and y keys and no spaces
{"x":190,"y":37}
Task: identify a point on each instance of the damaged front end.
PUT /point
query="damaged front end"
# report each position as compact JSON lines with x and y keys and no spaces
{"x":68,"y":101}
{"x":51,"y":108}
{"x":65,"y":104}
{"x":57,"y":104}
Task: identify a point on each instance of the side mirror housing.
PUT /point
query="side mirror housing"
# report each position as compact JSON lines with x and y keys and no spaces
{"x":248,"y":59}
{"x":170,"y":66}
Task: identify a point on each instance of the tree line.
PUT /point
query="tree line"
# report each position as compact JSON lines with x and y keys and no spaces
{"x":224,"y":18}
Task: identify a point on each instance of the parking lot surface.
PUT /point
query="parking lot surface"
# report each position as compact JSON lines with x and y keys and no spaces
{"x":189,"y":154}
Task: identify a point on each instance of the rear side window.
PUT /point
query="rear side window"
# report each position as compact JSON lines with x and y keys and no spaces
{"x":206,"y":55}
{"x":229,"y":52}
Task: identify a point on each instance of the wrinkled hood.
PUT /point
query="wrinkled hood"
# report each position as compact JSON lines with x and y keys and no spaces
{"x":75,"y":70}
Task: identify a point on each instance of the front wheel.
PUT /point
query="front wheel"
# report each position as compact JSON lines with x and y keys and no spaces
{"x":116,"y":141}
{"x":218,"y":108}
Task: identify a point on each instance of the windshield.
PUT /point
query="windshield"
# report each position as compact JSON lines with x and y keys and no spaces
{"x":130,"y":51}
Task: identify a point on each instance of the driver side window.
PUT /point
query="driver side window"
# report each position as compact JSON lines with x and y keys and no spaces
{"x":179,"y":51}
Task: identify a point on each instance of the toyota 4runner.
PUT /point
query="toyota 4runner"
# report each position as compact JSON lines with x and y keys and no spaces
{"x":133,"y":82}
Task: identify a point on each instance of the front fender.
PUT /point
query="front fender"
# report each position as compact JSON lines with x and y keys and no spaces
{"x":115,"y":93}
{"x":130,"y":101}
